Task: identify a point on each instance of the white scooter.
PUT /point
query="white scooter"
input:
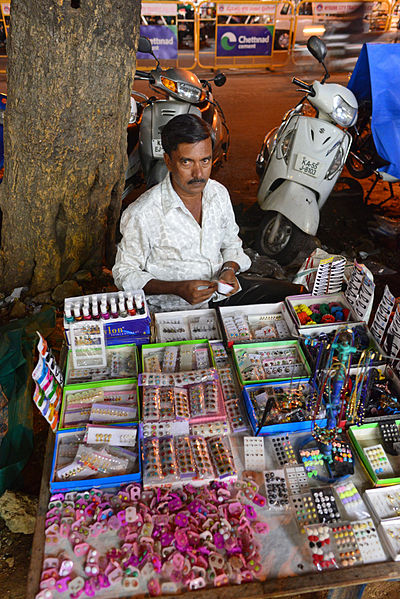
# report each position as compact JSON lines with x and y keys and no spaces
{"x":300,"y":162}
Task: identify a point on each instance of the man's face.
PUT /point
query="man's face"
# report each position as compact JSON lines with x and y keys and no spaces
{"x":190,"y":166}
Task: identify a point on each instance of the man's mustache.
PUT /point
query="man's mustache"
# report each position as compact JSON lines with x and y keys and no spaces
{"x":197,"y":181}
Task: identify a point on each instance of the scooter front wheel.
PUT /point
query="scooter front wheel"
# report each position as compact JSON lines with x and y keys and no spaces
{"x":288,"y":240}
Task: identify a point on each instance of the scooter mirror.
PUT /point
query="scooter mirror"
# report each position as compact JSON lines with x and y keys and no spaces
{"x":219,"y":79}
{"x":317,"y":48}
{"x":145,"y":45}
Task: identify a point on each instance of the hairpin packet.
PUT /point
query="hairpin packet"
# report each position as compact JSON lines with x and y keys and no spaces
{"x":103,"y":412}
{"x":112,"y":435}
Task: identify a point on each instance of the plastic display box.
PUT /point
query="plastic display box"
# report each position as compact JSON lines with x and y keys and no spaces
{"x":186,"y":325}
{"x":255,"y":413}
{"x":284,"y":360}
{"x":309,"y":300}
{"x":114,"y":395}
{"x":156,"y":352}
{"x":122,"y":365}
{"x":65,"y":449}
{"x":382,"y":468}
{"x":264,"y":322}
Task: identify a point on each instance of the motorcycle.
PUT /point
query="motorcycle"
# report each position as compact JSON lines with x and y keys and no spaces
{"x":300,"y":162}
{"x":182,"y":92}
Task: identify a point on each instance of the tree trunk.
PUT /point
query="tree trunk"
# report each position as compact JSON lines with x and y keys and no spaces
{"x":70,"y":71}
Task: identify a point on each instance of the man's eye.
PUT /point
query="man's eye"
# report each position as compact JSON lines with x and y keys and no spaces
{"x":206,"y":160}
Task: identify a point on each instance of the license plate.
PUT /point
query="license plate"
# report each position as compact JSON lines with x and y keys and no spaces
{"x":307,"y":165}
{"x":158,"y":151}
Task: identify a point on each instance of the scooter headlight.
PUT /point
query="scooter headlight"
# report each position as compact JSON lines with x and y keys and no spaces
{"x":336,"y":164}
{"x":283,"y":149}
{"x":187,"y":92}
{"x":343,"y":113}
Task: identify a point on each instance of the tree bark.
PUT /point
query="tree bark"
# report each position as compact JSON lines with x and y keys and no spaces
{"x":70,"y":73}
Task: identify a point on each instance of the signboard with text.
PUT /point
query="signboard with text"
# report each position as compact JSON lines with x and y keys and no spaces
{"x":244,"y":40}
{"x":245,"y":9}
{"x":163,"y":39}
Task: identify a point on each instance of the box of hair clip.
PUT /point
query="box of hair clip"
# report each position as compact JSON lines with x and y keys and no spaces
{"x":121,"y":366}
{"x":270,"y":361}
{"x":188,"y":324}
{"x":255,"y":323}
{"x":174,"y":362}
{"x":96,"y":403}
{"x":96,"y":456}
{"x":287,"y":407}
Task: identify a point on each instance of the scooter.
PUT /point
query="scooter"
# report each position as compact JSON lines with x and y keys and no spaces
{"x":300,"y":162}
{"x":182,"y":92}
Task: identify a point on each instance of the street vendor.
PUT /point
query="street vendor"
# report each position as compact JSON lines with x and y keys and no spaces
{"x":180,"y":238}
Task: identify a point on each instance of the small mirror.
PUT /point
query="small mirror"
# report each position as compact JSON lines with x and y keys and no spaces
{"x":219,"y":79}
{"x":145,"y":45}
{"x":317,"y":48}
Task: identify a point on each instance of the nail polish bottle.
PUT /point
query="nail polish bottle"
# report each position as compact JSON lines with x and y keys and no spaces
{"x":77,"y":312}
{"x":85,"y":312}
{"x":104,"y":313}
{"x":139,"y":304}
{"x":121,"y":305}
{"x":129,"y":304}
{"x":68,"y":314}
{"x":95,"y":308}
{"x":113,"y":308}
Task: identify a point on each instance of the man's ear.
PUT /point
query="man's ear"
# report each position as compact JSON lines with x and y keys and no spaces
{"x":167,"y":161}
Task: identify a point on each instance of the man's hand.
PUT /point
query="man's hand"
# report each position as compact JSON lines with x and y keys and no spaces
{"x":196,"y":292}
{"x":228,"y":276}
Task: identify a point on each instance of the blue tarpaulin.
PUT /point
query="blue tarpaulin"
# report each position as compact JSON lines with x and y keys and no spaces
{"x":376,"y":77}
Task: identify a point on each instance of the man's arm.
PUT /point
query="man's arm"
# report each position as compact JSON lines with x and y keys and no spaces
{"x":194,"y":291}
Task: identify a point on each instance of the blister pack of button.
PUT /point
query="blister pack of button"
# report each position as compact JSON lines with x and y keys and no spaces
{"x":203,"y":327}
{"x":304,"y":510}
{"x":378,"y":460}
{"x":276,"y":491}
{"x":319,"y":543}
{"x":283,"y":450}
{"x":209,"y":429}
{"x":221,"y":357}
{"x":236,"y":327}
{"x":237,"y":419}
{"x":172,"y":329}
{"x":228,"y":384}
{"x":368,"y":541}
{"x":313,"y":462}
{"x":324,"y":500}
{"x":351,"y":500}
{"x":267,"y":327}
{"x":254,"y":455}
{"x":390,"y":436}
{"x":345,"y":545}
{"x":297,"y":479}
{"x":221,"y":454}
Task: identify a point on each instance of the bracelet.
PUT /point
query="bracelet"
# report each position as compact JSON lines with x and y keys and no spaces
{"x":228,"y":268}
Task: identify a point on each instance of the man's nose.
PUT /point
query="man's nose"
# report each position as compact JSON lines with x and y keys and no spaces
{"x":197,"y":172}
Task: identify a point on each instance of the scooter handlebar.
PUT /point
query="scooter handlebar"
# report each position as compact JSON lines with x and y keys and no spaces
{"x":304,"y":86}
{"x":142,"y":75}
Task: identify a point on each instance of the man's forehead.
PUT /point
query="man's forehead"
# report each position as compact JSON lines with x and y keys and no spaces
{"x":198,"y":149}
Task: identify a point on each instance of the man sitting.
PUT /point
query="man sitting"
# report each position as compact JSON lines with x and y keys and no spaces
{"x":180,"y":237}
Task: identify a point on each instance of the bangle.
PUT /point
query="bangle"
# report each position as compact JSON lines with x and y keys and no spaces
{"x":228,"y":268}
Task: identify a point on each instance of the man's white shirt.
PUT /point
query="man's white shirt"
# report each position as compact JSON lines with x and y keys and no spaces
{"x":162,"y":240}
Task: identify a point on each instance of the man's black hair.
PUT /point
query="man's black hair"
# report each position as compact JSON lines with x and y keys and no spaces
{"x":184,"y":128}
